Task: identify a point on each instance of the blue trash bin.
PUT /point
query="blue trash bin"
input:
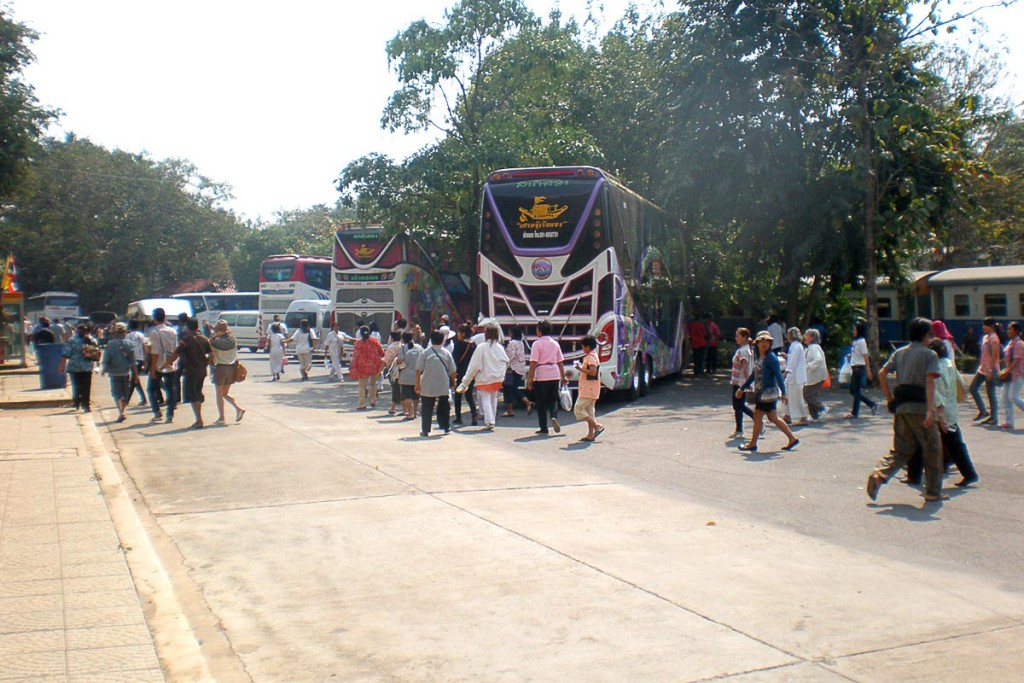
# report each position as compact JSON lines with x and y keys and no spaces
{"x":48,"y":359}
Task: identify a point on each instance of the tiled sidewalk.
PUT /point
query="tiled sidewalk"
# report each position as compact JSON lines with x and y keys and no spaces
{"x":68,"y":607}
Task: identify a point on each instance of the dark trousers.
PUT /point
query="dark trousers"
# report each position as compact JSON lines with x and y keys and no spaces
{"x":545,"y":393}
{"x":137,"y":381}
{"x":444,"y":410}
{"x":699,"y":359}
{"x":712,"y":359}
{"x":739,"y":406}
{"x":954,"y":451}
{"x":168,"y":385}
{"x":81,"y":389}
{"x":470,"y":396}
{"x":990,"y":389}
{"x":858,"y":381}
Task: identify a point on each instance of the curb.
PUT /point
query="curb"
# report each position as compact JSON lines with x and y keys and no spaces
{"x":35,"y":403}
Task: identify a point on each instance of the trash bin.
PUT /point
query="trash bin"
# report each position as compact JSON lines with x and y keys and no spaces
{"x":48,"y":359}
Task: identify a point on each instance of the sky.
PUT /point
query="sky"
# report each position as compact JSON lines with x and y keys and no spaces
{"x":271,"y":98}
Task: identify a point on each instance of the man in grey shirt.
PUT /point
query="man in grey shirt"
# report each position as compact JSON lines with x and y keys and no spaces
{"x":435,"y":375}
{"x":913,"y":404}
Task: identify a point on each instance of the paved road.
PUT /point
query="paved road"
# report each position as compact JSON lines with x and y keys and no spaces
{"x":312,"y":541}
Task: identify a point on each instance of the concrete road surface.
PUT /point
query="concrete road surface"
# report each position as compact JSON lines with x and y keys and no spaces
{"x":313,"y":542}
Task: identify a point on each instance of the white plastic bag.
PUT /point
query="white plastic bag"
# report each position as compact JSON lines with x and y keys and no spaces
{"x":845,"y":373}
{"x":565,"y":398}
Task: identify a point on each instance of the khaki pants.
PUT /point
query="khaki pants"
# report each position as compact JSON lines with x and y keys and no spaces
{"x":372,"y":381}
{"x":909,"y":436}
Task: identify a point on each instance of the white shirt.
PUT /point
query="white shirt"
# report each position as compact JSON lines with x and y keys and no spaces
{"x":303,"y":340}
{"x":817,"y":370}
{"x":796,"y":363}
{"x":488,"y":364}
{"x":137,"y":340}
{"x":859,"y":353}
{"x":163,"y":341}
{"x":775,"y":329}
{"x":333,"y":342}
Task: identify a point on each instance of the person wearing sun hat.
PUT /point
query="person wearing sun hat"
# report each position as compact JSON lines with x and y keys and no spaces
{"x":117,"y":363}
{"x":766,"y":379}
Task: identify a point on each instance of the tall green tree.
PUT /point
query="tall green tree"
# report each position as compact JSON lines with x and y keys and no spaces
{"x":22,"y":119}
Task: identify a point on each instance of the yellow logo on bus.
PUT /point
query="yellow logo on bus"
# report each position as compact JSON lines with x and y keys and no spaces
{"x":541,"y":211}
{"x":364,"y":252}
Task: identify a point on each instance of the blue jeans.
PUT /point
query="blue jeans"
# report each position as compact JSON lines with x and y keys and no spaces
{"x":858,"y":381}
{"x":170,"y":385}
{"x":1011,"y":398}
{"x":990,"y":389}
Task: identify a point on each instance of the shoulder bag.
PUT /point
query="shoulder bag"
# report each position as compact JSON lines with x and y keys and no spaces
{"x":240,"y":372}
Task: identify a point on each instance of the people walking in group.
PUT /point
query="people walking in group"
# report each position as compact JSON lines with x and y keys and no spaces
{"x":194,"y":350}
{"x":769,"y":388}
{"x":367,"y":363}
{"x":408,"y":356}
{"x":487,"y":370}
{"x":1012,"y":375}
{"x":860,"y":365}
{"x":435,"y":378}
{"x":545,"y":375}
{"x":796,"y":378}
{"x":390,"y":364}
{"x":462,"y":351}
{"x":912,"y":402}
{"x":118,"y":364}
{"x":516,"y":373}
{"x":225,"y":360}
{"x":742,"y":363}
{"x":275,"y":349}
{"x":589,"y":390}
{"x":305,"y":340}
{"x":137,"y":341}
{"x":165,"y":387}
{"x":333,"y":341}
{"x":988,"y":373}
{"x":817,"y":374}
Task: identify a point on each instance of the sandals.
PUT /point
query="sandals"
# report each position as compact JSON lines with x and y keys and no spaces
{"x":791,"y":445}
{"x":750,"y":448}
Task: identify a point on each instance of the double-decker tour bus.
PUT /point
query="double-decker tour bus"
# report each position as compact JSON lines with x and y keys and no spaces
{"x":379,"y":278}
{"x":287,"y":277}
{"x":53,"y":305}
{"x":207,"y":306}
{"x":576,"y":247}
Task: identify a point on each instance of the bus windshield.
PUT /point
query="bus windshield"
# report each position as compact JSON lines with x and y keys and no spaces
{"x":62,"y":301}
{"x":542,"y":213}
{"x":280,"y":271}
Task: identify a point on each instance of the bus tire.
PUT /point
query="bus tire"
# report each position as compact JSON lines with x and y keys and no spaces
{"x":644,"y":383}
{"x":632,"y":392}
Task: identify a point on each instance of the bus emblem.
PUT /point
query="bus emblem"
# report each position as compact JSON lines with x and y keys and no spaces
{"x":542,"y":269}
{"x":542,"y":211}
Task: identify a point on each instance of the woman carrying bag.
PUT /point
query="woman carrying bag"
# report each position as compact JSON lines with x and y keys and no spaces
{"x":766,"y":379}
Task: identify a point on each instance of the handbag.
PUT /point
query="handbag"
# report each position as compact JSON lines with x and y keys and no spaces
{"x":240,"y":372}
{"x":91,"y":352}
{"x":565,"y":397}
{"x":827,"y":384}
{"x":769,"y":395}
{"x":845,"y":372}
{"x":750,"y":396}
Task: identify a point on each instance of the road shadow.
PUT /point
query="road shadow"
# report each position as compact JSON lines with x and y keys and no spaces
{"x":925,"y":513}
{"x":539,"y":437}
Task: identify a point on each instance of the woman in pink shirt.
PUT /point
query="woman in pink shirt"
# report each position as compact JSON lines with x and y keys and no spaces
{"x":1012,"y":376}
{"x":545,"y":374}
{"x":988,"y":370}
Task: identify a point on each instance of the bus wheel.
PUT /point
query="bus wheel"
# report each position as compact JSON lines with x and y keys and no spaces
{"x":644,"y":371}
{"x":632,"y":392}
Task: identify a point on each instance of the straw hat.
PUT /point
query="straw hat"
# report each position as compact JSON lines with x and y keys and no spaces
{"x":762,"y":335}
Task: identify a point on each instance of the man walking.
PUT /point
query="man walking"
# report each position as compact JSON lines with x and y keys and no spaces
{"x":118,"y":363}
{"x":545,"y":374}
{"x":137,"y":341}
{"x":913,"y":404}
{"x":435,"y":376}
{"x":194,"y":350}
{"x":163,"y":340}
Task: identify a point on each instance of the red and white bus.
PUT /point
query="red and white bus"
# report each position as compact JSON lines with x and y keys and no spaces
{"x":285,"y":278}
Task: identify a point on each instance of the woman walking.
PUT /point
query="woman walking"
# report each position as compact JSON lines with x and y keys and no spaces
{"x":224,"y":359}
{"x":545,"y":375}
{"x":275,"y":344}
{"x":332,"y":345}
{"x":796,"y":378}
{"x":988,"y":372}
{"x":487,"y":368}
{"x":742,"y":362}
{"x":817,"y":373}
{"x":1012,"y":375}
{"x":390,"y":364}
{"x":462,"y":351}
{"x":304,"y":339}
{"x":516,"y":351}
{"x":78,"y":359}
{"x":767,"y":381}
{"x":860,"y":364}
{"x":408,"y":356}
{"x":367,"y":362}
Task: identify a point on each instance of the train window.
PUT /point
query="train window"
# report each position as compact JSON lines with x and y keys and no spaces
{"x":884,"y":307}
{"x":962,"y":306}
{"x":995,"y":305}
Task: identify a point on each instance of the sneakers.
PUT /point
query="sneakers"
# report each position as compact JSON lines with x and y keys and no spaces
{"x":156,"y":419}
{"x":823,"y":413}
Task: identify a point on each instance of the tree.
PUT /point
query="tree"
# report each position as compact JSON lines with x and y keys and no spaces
{"x":21,"y":118}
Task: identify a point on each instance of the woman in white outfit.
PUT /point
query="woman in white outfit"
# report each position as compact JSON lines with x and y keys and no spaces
{"x":332,"y":343}
{"x":796,"y":378}
{"x":487,"y":367}
{"x":275,"y":343}
{"x":305,"y":341}
{"x":817,"y":373}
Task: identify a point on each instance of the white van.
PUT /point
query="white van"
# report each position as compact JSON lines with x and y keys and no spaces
{"x":142,"y":310}
{"x":245,"y":325}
